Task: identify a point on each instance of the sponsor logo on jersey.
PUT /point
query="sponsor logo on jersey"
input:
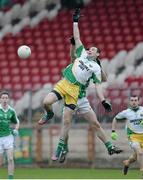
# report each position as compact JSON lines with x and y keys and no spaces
{"x":83,"y":66}
{"x":136,"y":121}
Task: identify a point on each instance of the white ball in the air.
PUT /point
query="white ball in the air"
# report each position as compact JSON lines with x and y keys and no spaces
{"x":24,"y":52}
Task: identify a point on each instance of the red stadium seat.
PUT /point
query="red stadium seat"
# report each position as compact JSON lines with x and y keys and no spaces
{"x":7,"y":86}
{"x":25,"y":79}
{"x":112,"y":26}
{"x":27,"y":86}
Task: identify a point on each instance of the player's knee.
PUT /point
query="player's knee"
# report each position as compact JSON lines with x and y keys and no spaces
{"x":96,"y":125}
{"x":49,"y":99}
{"x":67,"y":122}
{"x":10,"y":159}
{"x":46,"y":103}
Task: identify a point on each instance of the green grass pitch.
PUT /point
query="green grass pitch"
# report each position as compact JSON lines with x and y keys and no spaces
{"x":65,"y":173}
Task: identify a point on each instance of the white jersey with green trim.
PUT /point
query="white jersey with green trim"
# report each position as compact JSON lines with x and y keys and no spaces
{"x":133,"y":118}
{"x":84,"y":68}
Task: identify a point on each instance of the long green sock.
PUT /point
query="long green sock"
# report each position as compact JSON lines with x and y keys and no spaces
{"x":10,"y":176}
{"x":60,"y":147}
{"x":48,"y":115}
{"x":108,"y":145}
{"x":66,"y":147}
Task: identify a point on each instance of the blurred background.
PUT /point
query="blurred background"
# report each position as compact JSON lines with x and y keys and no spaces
{"x":46,"y":26}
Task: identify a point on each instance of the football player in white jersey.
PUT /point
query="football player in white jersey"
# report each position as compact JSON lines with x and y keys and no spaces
{"x":75,"y":75}
{"x":85,"y":110}
{"x":134,"y":126}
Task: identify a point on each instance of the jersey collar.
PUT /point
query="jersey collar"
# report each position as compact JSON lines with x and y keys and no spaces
{"x":5,"y":110}
{"x":136,"y":109}
{"x":91,"y":58}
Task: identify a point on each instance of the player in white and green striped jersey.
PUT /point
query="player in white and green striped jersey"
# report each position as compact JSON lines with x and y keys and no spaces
{"x":75,"y":76}
{"x":7,"y":116}
{"x":134,"y":128}
{"x":84,"y":109}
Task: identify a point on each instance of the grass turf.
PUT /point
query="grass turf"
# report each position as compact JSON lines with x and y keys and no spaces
{"x":61,"y":173}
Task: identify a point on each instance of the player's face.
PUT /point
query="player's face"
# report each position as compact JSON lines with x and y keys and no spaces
{"x":92,"y":52}
{"x":4,"y":99}
{"x":134,"y":102}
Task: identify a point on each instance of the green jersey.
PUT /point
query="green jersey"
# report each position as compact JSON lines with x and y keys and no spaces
{"x":6,"y":118}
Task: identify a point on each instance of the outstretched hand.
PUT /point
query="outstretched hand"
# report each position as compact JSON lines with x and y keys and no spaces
{"x":107,"y":106}
{"x":76,"y":15}
{"x":114,"y":135}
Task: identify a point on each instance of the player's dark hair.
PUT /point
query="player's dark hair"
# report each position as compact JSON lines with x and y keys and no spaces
{"x":134,"y":95}
{"x":98,"y":50}
{"x":98,"y":59}
{"x":3,"y":92}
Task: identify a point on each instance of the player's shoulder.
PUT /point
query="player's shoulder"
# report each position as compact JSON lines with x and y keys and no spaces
{"x":128,"y":110}
{"x":141,"y":108}
{"x":11,"y":108}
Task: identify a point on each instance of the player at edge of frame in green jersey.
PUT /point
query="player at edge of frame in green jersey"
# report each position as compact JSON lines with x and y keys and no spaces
{"x":7,"y":117}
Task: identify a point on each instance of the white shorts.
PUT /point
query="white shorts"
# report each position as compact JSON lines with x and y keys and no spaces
{"x":83,"y":106}
{"x":6,"y":142}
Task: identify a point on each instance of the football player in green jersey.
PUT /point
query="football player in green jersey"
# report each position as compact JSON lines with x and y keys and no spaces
{"x":84,"y":109}
{"x":7,"y":116}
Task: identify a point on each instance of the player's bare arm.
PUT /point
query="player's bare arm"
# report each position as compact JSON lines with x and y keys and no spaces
{"x":17,"y":125}
{"x":114,"y":124}
{"x":99,"y":92}
{"x":72,"y":50}
{"x":103,"y":76}
{"x":114,"y":135}
{"x":76,"y":32}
